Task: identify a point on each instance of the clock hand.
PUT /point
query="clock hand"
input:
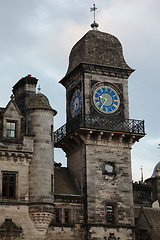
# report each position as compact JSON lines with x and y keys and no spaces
{"x":75,"y":105}
{"x":104,"y":103}
{"x":103,"y":98}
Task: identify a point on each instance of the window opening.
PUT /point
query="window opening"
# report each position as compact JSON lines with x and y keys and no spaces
{"x":11,"y":129}
{"x":110,"y":214}
{"x":57,"y":216}
{"x":8,"y":185}
{"x":51,"y":182}
{"x":51,"y":132}
{"x":108,"y":168}
{"x":143,"y":234}
{"x":66,"y":216}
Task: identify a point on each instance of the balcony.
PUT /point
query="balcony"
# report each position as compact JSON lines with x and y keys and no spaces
{"x":131,"y":126}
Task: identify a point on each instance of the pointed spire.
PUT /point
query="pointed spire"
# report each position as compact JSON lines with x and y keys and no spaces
{"x":141,"y":174}
{"x":94,"y":25}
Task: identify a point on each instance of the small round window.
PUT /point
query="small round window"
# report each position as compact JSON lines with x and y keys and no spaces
{"x":109,"y":167}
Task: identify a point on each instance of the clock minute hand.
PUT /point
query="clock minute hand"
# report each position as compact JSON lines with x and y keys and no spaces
{"x":104,"y":103}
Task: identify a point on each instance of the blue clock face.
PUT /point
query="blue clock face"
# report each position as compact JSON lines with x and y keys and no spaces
{"x":76,"y":103}
{"x":106,"y":99}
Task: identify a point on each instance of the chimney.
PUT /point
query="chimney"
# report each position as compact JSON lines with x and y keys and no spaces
{"x":23,"y":90}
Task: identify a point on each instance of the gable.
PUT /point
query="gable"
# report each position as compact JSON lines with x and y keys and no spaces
{"x":11,"y":116}
{"x":12,"y":111}
{"x":142,"y":222}
{"x":148,"y":219}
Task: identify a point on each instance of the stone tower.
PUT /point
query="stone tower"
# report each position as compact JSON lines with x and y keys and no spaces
{"x":41,"y":197}
{"x":98,"y":135}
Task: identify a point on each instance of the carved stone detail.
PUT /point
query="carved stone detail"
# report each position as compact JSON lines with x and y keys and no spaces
{"x":41,"y":220}
{"x":10,"y":229}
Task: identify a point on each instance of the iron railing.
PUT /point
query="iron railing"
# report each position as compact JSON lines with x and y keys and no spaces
{"x":95,"y":122}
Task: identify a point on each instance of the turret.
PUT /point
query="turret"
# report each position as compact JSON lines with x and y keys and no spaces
{"x":40,"y":125}
{"x":154,"y":183}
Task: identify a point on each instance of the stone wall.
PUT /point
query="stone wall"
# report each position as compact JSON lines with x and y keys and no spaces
{"x":74,"y":229}
{"x":103,"y":189}
{"x":20,"y":217}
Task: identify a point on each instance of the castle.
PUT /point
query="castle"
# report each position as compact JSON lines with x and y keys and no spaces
{"x":93,"y":197}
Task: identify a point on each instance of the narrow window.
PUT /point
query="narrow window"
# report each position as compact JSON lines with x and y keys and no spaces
{"x":66,"y":216}
{"x":8,"y":185}
{"x":57,"y":216}
{"x":11,"y":129}
{"x":143,"y":234}
{"x":51,"y":182}
{"x":51,"y":132}
{"x":110,"y":218}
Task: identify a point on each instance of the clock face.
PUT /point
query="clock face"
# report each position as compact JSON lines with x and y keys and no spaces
{"x":106,"y":99}
{"x":76,"y":103}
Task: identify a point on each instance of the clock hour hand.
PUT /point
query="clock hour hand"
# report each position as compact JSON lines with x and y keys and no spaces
{"x":103,"y":98}
{"x":75,"y":105}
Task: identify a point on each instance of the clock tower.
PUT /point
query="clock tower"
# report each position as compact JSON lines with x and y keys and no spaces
{"x":98,"y":135}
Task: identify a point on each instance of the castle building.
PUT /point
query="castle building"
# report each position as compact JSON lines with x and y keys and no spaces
{"x":93,"y":197}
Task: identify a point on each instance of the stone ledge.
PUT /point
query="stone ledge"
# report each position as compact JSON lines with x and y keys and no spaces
{"x":109,"y":225}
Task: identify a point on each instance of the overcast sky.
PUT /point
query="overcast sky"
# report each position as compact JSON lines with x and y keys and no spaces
{"x":36,"y":37}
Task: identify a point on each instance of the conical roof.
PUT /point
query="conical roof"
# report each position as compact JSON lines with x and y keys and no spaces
{"x":39,"y":100}
{"x":97,"y":47}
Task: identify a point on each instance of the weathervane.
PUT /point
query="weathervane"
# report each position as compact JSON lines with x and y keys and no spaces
{"x":94,"y":9}
{"x":94,"y":25}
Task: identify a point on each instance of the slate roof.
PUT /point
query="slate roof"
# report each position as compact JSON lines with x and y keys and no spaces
{"x":64,"y":183}
{"x":39,"y":100}
{"x":97,"y":48}
{"x":152,"y":215}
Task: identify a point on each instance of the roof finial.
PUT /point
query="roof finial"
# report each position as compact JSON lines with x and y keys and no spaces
{"x":39,"y":89}
{"x":141,"y":174}
{"x":94,"y":25}
{"x":12,"y":97}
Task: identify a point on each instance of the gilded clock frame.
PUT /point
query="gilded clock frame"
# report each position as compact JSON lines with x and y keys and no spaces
{"x":116,"y":90}
{"x":76,"y":112}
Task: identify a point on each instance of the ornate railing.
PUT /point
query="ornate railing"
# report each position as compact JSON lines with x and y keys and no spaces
{"x":95,"y":122}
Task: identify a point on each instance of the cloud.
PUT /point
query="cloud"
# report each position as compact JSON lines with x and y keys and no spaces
{"x":37,"y":36}
{"x":146,"y":154}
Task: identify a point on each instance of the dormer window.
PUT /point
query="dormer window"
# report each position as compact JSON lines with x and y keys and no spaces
{"x":10,"y":129}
